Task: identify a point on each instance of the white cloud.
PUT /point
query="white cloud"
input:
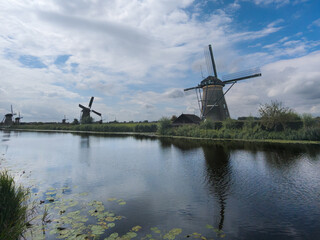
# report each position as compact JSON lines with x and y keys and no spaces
{"x":135,"y":56}
{"x":277,"y":3}
{"x":296,"y":82}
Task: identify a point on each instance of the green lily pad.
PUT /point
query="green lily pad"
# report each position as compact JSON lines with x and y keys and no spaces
{"x":155,"y":230}
{"x":171,"y":235}
{"x":97,"y":229}
{"x":111,"y":225}
{"x":209,"y":226}
{"x":136,"y":228}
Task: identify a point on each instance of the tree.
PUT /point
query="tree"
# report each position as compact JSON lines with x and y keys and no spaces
{"x":173,"y":118}
{"x":275,"y":116}
{"x":75,"y":121}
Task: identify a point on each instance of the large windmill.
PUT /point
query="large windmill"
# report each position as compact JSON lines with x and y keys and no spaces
{"x":211,"y":99}
{"x":85,"y":112}
{"x":7,"y":120}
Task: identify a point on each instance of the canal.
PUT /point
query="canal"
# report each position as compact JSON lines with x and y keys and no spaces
{"x":194,"y":188}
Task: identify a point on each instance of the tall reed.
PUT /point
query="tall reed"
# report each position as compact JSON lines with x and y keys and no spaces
{"x":13,"y":208}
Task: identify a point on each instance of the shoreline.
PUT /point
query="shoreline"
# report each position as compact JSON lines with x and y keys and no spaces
{"x":154,"y":135}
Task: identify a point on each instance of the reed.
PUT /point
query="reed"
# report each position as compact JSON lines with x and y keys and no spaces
{"x":13,"y":208}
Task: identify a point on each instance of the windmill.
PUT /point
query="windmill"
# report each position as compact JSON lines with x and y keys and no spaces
{"x":64,"y":120}
{"x":17,"y":119}
{"x":7,"y":120}
{"x":85,"y":112}
{"x":212,"y":103}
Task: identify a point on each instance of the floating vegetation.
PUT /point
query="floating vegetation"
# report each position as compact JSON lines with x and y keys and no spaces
{"x":63,"y":214}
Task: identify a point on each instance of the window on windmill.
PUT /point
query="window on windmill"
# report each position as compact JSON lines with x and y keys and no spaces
{"x":224,"y":106}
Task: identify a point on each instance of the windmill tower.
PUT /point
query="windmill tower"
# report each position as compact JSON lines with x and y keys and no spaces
{"x":17,"y":119}
{"x":7,"y":120}
{"x":85,"y":112}
{"x":64,"y":120}
{"x":212,"y":102}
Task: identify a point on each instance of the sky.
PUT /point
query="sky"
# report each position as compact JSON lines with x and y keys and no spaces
{"x":136,"y":57}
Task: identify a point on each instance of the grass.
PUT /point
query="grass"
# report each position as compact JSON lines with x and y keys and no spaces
{"x":306,"y":130}
{"x":105,"y":127}
{"x":13,"y":208}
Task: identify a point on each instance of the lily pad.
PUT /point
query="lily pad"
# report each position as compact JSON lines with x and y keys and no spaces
{"x":171,"y":235}
{"x":136,"y":228}
{"x":97,"y":229}
{"x":111,"y":225}
{"x":155,"y":230}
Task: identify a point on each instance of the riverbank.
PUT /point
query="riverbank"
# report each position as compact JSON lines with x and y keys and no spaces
{"x":156,"y":135}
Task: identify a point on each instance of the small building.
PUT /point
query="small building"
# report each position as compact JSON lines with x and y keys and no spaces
{"x":186,"y":119}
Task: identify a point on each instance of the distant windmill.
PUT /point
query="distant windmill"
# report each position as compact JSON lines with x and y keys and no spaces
{"x":212,"y":103}
{"x":64,"y":120}
{"x":17,"y":119}
{"x":85,"y":112}
{"x":7,"y":120}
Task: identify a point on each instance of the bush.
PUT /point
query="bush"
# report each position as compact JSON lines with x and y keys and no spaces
{"x":164,"y":125}
{"x":13,"y":208}
{"x":232,"y":124}
{"x":86,"y":120}
{"x":308,"y":121}
{"x":207,"y":124}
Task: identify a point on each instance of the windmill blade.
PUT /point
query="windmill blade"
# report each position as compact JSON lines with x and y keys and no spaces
{"x":83,"y":107}
{"x":208,"y":62}
{"x":212,"y":61}
{"x":96,"y":112}
{"x":187,"y":89}
{"x":238,"y":76}
{"x":91,"y":101}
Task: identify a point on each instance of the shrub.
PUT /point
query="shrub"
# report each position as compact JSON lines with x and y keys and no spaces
{"x":207,"y":124}
{"x":164,"y":125}
{"x":308,"y":121}
{"x":86,"y":120}
{"x":13,"y":208}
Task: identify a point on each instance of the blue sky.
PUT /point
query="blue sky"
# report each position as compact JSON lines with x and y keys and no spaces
{"x":137,"y":57}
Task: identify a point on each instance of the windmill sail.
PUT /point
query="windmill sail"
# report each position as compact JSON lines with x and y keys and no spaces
{"x":233,"y":77}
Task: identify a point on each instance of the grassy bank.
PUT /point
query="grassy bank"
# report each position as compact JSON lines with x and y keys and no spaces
{"x":105,"y":127}
{"x":253,"y":130}
{"x":243,"y":130}
{"x":13,"y":208}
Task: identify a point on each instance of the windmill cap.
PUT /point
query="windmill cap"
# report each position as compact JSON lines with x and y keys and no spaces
{"x":211,"y":80}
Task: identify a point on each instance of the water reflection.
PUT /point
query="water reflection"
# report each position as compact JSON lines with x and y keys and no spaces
{"x":218,"y":175}
{"x":274,"y":160}
{"x":84,"y":150}
{"x":84,"y":141}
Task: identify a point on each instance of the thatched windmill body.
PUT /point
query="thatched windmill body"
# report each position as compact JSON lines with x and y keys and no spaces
{"x":17,"y":119}
{"x":85,"y":112}
{"x":64,"y":120}
{"x":8,"y":118}
{"x":210,"y":93}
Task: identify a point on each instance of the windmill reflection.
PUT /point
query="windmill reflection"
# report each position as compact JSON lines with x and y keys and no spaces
{"x":85,"y":141}
{"x":84,"y":150}
{"x":218,"y":175}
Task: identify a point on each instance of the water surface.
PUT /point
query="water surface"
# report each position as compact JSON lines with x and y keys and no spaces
{"x":248,"y":191}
